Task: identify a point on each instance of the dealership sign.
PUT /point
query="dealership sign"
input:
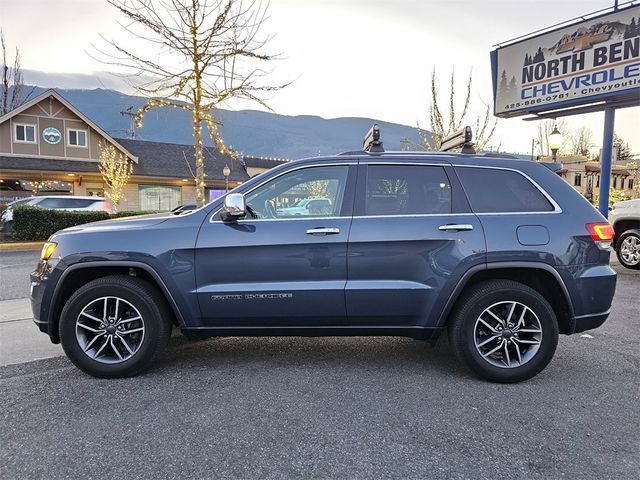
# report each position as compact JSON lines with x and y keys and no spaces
{"x":588,"y":61}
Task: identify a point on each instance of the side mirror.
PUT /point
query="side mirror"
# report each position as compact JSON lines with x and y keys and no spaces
{"x":234,"y":207}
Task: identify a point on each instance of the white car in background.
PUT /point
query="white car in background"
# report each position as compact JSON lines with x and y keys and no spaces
{"x":56,"y":202}
{"x":307,"y":206}
{"x":624,"y":217}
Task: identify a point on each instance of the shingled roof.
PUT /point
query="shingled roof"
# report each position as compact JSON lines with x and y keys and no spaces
{"x":174,"y":160}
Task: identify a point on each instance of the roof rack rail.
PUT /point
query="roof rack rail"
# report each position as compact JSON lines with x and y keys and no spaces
{"x":372,"y":142}
{"x":461,"y":138}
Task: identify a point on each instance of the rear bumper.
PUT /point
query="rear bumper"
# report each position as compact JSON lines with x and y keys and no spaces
{"x":589,"y":322}
{"x":591,"y":288}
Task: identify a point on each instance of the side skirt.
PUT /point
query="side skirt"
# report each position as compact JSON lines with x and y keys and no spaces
{"x":419,"y":333}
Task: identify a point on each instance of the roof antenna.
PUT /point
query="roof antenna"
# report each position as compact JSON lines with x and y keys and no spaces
{"x":372,"y":142}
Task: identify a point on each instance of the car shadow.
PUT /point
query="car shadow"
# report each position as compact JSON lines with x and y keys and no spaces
{"x":381,"y":353}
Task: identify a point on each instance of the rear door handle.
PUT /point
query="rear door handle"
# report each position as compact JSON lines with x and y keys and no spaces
{"x":323,"y":231}
{"x":456,"y":226}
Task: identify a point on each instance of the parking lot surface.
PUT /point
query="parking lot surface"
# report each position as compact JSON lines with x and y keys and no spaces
{"x":332,"y":408}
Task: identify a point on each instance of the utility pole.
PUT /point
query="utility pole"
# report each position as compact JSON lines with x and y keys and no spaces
{"x":131,"y":133}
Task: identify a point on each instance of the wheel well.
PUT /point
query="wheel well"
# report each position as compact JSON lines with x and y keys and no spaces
{"x":623,"y":225}
{"x":540,"y":280}
{"x":79,"y":277}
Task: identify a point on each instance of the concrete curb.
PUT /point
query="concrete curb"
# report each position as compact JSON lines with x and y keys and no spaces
{"x":21,"y":246}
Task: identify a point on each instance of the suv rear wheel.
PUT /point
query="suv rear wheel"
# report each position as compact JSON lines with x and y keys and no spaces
{"x":504,"y":331}
{"x":628,"y":250}
{"x":114,"y":326}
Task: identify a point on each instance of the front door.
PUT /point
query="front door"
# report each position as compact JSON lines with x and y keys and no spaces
{"x":412,"y":238}
{"x":285,"y":263}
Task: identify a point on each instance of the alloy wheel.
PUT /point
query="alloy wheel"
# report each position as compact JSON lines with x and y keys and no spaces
{"x":507,"y":334}
{"x":110,"y":330}
{"x":630,"y":250}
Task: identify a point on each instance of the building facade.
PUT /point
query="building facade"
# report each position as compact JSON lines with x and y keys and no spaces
{"x":49,"y":147}
{"x":584,"y":175}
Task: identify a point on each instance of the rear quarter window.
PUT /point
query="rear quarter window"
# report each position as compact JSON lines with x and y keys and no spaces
{"x":501,"y":191}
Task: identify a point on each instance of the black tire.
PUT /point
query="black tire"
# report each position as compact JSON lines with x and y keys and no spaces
{"x":470,"y":307}
{"x":626,"y":235}
{"x":151,"y":306}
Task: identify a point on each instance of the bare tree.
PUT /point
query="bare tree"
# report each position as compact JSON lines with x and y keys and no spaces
{"x":116,"y":170}
{"x":581,"y":141}
{"x":544,"y":131}
{"x":442,"y":125}
{"x":12,"y":82}
{"x":623,"y":152}
{"x":200,"y":54}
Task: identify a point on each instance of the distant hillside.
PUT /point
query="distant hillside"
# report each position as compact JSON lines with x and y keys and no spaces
{"x":253,"y":132}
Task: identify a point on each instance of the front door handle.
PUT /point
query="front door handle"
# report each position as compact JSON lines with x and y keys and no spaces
{"x":323,"y":231}
{"x":456,"y":226}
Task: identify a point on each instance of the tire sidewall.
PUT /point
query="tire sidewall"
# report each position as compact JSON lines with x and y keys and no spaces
{"x":543,"y":356}
{"x":150,"y":343}
{"x":625,"y":235}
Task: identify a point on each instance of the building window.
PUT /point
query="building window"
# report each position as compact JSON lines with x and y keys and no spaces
{"x":615,"y":182}
{"x":76,"y":138}
{"x":159,"y":197}
{"x":597,"y":181}
{"x":577,"y":181}
{"x":25,"y":133}
{"x":630,"y":183}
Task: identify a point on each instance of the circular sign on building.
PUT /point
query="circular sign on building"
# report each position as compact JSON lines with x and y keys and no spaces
{"x":51,"y":135}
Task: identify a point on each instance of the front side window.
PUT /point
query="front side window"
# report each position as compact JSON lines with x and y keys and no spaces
{"x":77,"y":138}
{"x":25,"y":133}
{"x":501,"y":191}
{"x":407,"y":190}
{"x":308,"y":192}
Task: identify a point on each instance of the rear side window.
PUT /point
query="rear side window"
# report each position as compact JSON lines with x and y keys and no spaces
{"x":407,"y":190}
{"x":497,"y":191}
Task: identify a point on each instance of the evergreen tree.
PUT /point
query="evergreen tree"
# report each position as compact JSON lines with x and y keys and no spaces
{"x":503,"y":81}
{"x":512,"y":83}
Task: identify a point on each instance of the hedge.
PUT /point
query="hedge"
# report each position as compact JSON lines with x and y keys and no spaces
{"x":35,"y":224}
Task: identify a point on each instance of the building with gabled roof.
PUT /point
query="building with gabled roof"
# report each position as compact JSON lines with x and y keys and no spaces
{"x":48,"y":146}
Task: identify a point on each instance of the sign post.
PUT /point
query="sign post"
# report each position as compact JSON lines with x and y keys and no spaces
{"x":605,"y":161}
{"x":589,"y":64}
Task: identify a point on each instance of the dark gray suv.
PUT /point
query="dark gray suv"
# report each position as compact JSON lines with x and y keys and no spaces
{"x":500,"y":252}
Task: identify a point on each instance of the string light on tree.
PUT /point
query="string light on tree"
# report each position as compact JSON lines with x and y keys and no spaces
{"x":209,"y":54}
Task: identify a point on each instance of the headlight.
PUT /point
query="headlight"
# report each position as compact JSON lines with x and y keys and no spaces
{"x":47,"y":250}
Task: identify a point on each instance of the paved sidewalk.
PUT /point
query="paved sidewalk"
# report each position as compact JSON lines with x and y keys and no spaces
{"x":20,"y":339}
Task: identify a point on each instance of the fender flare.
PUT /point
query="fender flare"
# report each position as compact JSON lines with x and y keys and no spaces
{"x":457,"y":291}
{"x":117,"y":263}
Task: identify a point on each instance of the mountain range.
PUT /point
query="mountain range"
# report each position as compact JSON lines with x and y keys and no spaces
{"x":253,"y":132}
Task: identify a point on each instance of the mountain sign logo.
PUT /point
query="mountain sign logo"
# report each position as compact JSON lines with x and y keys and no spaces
{"x":51,"y":135}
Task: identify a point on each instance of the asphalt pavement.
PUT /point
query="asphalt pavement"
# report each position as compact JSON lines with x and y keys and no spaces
{"x":15,"y":267}
{"x":333,"y":408}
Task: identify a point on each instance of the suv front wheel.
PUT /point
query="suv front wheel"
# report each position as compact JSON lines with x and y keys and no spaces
{"x":504,"y":331}
{"x":114,"y":326}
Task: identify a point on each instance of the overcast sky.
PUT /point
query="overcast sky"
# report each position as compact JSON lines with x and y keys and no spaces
{"x":348,"y":58}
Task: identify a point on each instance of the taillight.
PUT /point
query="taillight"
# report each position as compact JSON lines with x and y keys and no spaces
{"x":602,"y":233}
{"x":106,"y":206}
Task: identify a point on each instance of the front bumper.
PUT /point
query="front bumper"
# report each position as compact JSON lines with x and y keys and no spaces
{"x":40,"y":280}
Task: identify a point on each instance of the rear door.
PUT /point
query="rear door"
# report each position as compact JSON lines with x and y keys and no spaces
{"x":412,"y":237}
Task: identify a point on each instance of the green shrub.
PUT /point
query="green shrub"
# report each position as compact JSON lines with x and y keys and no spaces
{"x":132,"y":213}
{"x":36,"y":224}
